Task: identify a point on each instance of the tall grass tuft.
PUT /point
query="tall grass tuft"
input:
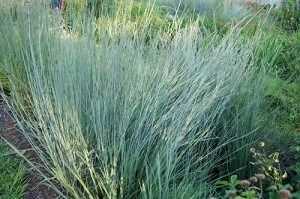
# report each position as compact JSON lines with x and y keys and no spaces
{"x":113,"y":116}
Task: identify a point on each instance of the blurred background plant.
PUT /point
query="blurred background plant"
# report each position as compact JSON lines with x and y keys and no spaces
{"x":288,"y":16}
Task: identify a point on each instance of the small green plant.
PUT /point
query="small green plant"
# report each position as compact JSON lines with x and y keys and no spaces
{"x":242,"y":188}
{"x":255,"y":188}
{"x":269,"y":165}
{"x":268,"y":183}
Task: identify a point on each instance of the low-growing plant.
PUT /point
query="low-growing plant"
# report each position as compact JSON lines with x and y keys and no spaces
{"x":12,"y":175}
{"x":268,"y":164}
{"x":267,"y":184}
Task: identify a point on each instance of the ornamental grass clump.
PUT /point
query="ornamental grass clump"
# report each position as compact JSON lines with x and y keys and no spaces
{"x":125,"y":118}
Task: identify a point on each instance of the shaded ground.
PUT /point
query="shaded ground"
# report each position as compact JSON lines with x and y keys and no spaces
{"x":34,"y":190}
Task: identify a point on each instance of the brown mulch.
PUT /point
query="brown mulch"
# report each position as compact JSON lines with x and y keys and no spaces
{"x":35,"y":189}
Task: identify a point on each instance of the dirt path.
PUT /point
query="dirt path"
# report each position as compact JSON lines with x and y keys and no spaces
{"x":34,"y":190}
